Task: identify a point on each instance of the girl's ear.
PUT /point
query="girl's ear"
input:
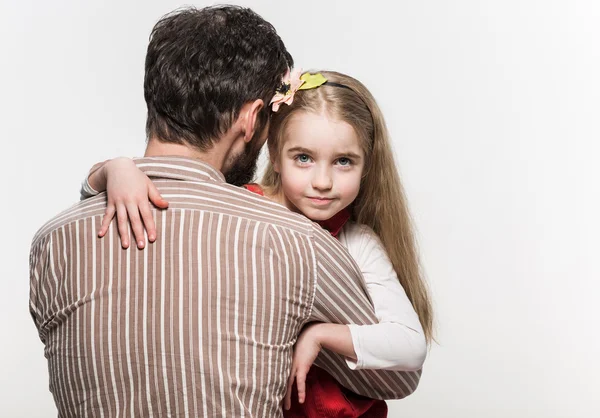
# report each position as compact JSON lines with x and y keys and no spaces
{"x":275,"y":165}
{"x":274,"y":161}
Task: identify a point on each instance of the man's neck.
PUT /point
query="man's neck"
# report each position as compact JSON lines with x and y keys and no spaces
{"x":156,"y":148}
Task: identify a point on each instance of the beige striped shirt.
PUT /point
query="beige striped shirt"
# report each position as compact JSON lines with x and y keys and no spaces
{"x":203,"y":321}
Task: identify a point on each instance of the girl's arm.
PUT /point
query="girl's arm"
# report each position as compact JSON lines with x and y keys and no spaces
{"x":87,"y":190}
{"x":397,"y":342}
{"x":312,"y":339}
{"x":130,"y":194}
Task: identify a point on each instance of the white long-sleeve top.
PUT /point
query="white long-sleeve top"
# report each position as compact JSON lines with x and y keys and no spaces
{"x":397,"y":342}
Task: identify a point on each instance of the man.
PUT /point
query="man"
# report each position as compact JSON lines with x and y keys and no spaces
{"x":203,"y":321}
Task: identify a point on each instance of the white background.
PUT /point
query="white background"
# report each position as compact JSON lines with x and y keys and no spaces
{"x":494,"y":111}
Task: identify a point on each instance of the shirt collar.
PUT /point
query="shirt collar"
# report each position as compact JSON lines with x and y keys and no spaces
{"x":179,"y":168}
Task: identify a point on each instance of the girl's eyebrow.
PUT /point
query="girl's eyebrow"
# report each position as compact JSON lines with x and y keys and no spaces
{"x":350,"y":154}
{"x":299,"y":149}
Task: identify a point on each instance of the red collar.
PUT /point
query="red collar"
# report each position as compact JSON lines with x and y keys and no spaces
{"x":334,"y":224}
{"x":255,"y":188}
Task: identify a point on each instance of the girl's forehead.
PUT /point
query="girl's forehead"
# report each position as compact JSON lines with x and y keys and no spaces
{"x":303,"y":117}
{"x":306,"y":129}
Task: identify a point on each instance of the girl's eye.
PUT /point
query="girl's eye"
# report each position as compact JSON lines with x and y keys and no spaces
{"x":344,"y":161}
{"x":303,"y":158}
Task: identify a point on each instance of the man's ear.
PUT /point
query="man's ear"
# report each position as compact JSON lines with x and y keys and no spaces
{"x":250,"y":113}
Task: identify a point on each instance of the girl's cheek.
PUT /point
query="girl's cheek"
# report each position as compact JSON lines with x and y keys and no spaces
{"x":294,"y":180}
{"x":351,"y":185}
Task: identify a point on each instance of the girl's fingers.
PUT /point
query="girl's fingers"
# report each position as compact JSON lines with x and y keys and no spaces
{"x":155,"y":197}
{"x":301,"y":384}
{"x":287,"y":402}
{"x":146,"y":212}
{"x":123,"y":225}
{"x":136,"y":224}
{"x":109,"y":214}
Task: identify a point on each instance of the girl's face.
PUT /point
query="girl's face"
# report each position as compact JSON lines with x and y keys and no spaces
{"x":321,"y":165}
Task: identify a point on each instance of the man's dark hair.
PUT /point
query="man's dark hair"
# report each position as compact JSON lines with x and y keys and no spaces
{"x":202,"y":65}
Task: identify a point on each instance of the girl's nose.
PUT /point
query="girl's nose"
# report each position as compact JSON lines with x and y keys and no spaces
{"x":322,"y":179}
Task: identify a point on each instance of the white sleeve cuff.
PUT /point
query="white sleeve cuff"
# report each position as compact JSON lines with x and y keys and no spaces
{"x":87,"y":190}
{"x":358,"y":364}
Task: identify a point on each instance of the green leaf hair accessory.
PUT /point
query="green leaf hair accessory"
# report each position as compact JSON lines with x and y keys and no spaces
{"x":312,"y":81}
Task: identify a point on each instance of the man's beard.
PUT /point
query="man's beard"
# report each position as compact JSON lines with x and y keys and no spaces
{"x":243,"y":169}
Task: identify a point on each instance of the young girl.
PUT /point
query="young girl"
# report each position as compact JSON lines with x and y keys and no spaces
{"x":331,"y":160}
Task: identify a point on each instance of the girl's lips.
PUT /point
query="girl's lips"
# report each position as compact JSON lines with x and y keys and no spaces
{"x":320,"y":200}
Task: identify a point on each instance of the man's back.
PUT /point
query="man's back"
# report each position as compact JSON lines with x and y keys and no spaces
{"x":206,"y":315}
{"x":200,"y":323}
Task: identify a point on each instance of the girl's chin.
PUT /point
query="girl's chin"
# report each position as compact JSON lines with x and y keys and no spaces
{"x":318,"y":216}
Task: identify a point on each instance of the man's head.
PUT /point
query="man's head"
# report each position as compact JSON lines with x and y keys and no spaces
{"x":204,"y":67}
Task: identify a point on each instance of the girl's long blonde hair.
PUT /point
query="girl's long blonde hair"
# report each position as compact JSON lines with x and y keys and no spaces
{"x":381,"y":203}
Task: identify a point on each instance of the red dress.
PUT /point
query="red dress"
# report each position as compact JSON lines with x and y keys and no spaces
{"x":325,"y":397}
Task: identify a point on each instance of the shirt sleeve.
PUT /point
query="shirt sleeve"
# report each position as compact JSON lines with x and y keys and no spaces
{"x":341,"y":297}
{"x":397,"y":341}
{"x":40,"y":295}
{"x":87,"y":190}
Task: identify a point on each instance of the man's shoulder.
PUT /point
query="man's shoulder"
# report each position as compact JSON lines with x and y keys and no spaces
{"x":88,"y":208}
{"x":199,"y":196}
{"x":232,"y":201}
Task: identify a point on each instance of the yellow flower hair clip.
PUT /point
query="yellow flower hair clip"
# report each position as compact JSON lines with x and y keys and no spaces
{"x":291,"y":83}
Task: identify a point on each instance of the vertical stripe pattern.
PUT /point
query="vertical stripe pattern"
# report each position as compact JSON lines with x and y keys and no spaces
{"x":203,"y":321}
